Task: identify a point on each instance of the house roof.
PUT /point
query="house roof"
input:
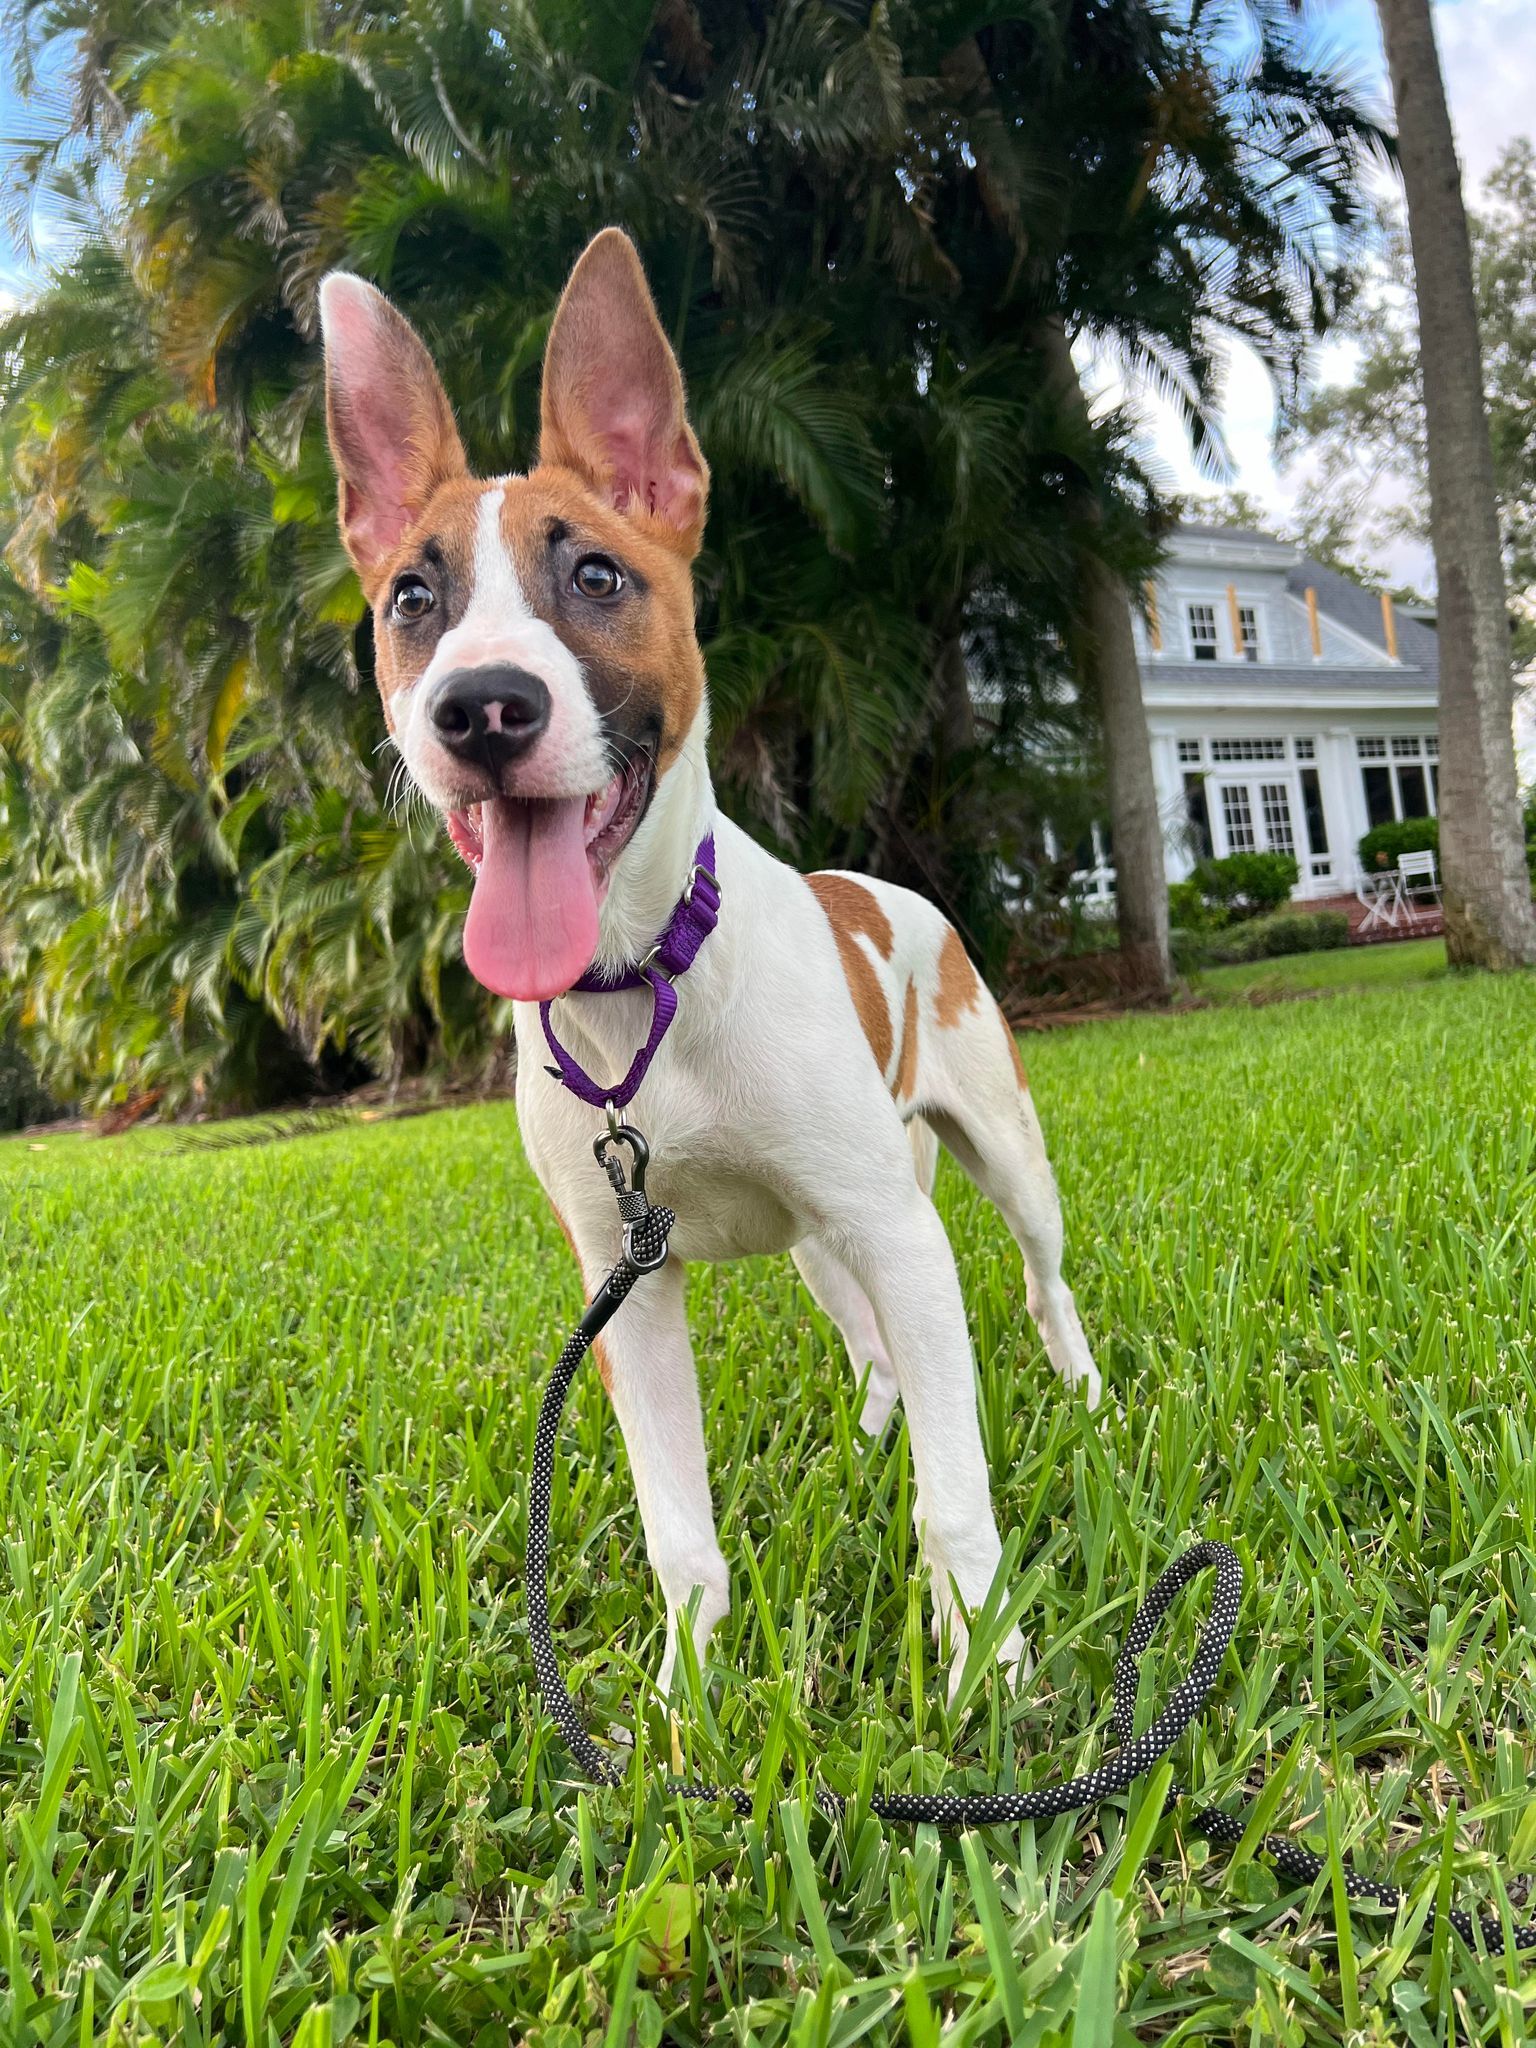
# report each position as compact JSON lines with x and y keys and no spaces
{"x":1386,"y":680}
{"x":1242,"y":536}
{"x":1339,"y":597}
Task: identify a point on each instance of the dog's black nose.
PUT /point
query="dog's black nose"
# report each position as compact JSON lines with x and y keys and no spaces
{"x":490,"y":715}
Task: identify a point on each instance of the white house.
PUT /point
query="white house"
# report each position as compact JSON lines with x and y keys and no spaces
{"x":1289,"y":708}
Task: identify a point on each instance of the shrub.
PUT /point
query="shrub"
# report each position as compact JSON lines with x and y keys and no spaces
{"x":1293,"y":931}
{"x":1245,"y":884}
{"x":1412,"y":835}
{"x":1190,"y":950}
{"x":1188,"y":910}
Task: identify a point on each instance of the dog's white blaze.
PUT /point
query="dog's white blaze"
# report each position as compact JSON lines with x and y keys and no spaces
{"x":499,"y":626}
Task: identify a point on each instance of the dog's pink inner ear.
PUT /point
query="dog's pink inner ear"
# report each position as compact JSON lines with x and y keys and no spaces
{"x":391,"y":427}
{"x":613,"y":395}
{"x":655,"y":469}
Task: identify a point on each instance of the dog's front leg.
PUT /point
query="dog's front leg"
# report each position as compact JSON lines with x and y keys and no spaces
{"x":647,"y":1363}
{"x":899,"y":1252}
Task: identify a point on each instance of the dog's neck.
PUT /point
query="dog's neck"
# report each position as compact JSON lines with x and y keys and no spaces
{"x":652,"y":872}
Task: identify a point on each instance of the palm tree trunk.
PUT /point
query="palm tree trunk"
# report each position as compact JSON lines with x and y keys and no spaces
{"x":1112,"y":679}
{"x":1488,"y":921}
{"x":952,"y":688}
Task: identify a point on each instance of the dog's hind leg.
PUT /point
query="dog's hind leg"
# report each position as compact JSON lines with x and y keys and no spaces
{"x":837,"y":1294}
{"x":977,"y":1098}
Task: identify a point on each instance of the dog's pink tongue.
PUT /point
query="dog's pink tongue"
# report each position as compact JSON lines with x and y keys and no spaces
{"x":532,"y":925}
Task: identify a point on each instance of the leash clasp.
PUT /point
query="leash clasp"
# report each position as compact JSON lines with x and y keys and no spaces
{"x":613,"y":1166}
{"x":634,"y":1203}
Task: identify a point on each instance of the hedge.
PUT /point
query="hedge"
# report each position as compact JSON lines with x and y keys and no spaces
{"x":1267,"y":938}
{"x":1412,"y":835}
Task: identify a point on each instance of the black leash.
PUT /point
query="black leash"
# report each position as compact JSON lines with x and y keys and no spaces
{"x":646,"y":1230}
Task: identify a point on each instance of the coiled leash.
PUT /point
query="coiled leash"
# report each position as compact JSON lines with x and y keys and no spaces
{"x":646,"y":1230}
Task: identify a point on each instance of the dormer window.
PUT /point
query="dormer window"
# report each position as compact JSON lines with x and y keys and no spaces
{"x":1248,"y":629}
{"x":1202,"y":631}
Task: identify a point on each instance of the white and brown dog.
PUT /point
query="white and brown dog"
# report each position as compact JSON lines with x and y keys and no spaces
{"x":543,"y":684}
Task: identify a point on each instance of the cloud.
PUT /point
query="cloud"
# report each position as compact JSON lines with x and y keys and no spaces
{"x":1488,"y":56}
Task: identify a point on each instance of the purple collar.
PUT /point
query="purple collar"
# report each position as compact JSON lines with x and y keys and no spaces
{"x":696,"y":915}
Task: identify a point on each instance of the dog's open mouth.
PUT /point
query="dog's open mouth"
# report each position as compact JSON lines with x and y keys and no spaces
{"x":541,"y":868}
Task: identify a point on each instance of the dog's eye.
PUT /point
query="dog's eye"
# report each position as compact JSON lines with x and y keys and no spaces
{"x":595,"y":576}
{"x":412,"y":599}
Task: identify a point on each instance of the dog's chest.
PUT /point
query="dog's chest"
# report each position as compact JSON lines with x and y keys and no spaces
{"x":717,"y":1157}
{"x":724,"y":1210}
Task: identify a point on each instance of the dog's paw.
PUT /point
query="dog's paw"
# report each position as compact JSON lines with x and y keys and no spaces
{"x":1013,"y":1659}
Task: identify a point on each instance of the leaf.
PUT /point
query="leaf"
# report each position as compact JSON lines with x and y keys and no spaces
{"x":226,"y":709}
{"x":666,"y":1930}
{"x":1098,"y":1995}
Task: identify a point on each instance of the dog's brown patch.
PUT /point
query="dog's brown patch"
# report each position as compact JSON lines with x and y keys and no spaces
{"x":1013,"y":1052}
{"x":640,"y":656}
{"x":443,"y":542}
{"x":906,"y":1072}
{"x":852,"y":908}
{"x":959,"y":987}
{"x":852,"y":912}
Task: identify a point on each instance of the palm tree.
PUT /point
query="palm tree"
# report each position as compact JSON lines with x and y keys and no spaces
{"x":1488,"y":916}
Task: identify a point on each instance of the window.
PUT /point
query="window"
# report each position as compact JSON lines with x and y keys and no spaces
{"x":1237,"y":817}
{"x":1379,"y":805}
{"x":1198,"y":811}
{"x":1189,"y":750}
{"x":1316,"y":823}
{"x":1278,"y":830}
{"x":1410,"y":786}
{"x":1306,"y":750}
{"x":1248,"y":631}
{"x":1247,"y":750}
{"x":1202,"y":631}
{"x":1413,"y":791}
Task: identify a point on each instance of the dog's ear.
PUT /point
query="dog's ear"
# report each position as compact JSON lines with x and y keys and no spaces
{"x":613,"y":396}
{"x":393,"y":439}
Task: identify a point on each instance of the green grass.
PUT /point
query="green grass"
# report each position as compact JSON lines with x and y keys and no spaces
{"x":272,"y":1766}
{"x":1396,"y":965}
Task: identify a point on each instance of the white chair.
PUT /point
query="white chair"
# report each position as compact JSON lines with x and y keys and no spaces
{"x":1421,"y":884}
{"x":1381,"y":891}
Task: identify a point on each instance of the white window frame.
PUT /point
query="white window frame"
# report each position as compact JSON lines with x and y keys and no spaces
{"x":1191,"y":606}
{"x":1384,"y":754}
{"x":1256,"y":759}
{"x":1252,"y":612}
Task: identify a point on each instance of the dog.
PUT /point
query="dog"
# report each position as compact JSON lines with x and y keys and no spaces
{"x":542,"y":681}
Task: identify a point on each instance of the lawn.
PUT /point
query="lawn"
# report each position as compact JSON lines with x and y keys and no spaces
{"x":273,"y":1770}
{"x":1394,"y":965}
